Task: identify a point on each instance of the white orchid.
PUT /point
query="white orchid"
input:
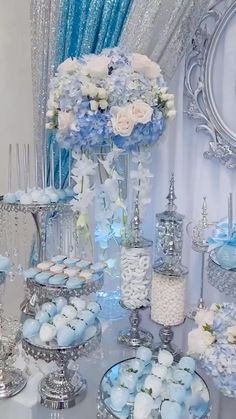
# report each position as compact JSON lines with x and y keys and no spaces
{"x":83,"y":165}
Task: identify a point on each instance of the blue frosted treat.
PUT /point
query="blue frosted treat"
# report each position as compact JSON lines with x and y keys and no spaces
{"x":58,"y":279}
{"x":43,"y":277}
{"x":31,"y":328}
{"x":50,"y":308}
{"x":187,"y":363}
{"x":31,"y":273}
{"x":42,"y":316}
{"x":171,"y":410}
{"x":74,"y":282}
{"x":87,"y":316}
{"x":183,"y":377}
{"x":98,"y":267}
{"x":58,"y":259}
{"x":94,"y":307}
{"x":65,"y":336}
{"x":71,"y":261}
{"x":83,"y":264}
{"x":60,"y":303}
{"x":78,"y":326}
{"x":177,"y":393}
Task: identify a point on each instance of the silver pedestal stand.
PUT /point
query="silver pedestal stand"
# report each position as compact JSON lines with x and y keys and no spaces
{"x":166,"y":335}
{"x":39,"y":293}
{"x":58,"y":390}
{"x":40,"y":214}
{"x":134,"y":336}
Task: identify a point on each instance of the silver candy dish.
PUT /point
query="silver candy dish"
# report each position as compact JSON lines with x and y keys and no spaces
{"x":37,"y":294}
{"x":62,"y":389}
{"x":110,"y":378}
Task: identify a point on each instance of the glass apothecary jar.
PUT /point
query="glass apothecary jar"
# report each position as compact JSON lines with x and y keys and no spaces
{"x":136,"y":273}
{"x":168,"y":294}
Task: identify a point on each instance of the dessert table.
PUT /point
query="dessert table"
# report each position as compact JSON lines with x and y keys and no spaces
{"x":25,"y":406}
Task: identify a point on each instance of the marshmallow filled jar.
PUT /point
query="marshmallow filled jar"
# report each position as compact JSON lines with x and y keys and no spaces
{"x":136,"y":273}
{"x":168,"y":296}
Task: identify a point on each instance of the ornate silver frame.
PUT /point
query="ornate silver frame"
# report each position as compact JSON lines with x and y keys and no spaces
{"x":198,"y":88}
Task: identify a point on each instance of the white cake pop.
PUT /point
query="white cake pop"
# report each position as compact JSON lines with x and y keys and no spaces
{"x":26,"y":199}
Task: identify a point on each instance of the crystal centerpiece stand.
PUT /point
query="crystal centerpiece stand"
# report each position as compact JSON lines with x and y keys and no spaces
{"x":59,"y":389}
{"x":12,"y":380}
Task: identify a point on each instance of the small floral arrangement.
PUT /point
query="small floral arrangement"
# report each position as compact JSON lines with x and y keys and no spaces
{"x":115,"y":97}
{"x":214,"y":344}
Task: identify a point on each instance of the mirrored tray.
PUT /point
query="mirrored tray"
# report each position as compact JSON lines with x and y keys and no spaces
{"x":39,"y":293}
{"x":110,"y":378}
{"x":60,"y":389}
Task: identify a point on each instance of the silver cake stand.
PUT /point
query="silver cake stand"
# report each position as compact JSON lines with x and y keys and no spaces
{"x":134,"y":336}
{"x":37,"y":293}
{"x":58,"y":390}
{"x":110,"y":378}
{"x":40,"y":214}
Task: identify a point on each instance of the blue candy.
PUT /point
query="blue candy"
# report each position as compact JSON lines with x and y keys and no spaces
{"x":50,"y":308}
{"x":94,"y":307}
{"x":87,"y":316}
{"x":177,"y":393}
{"x":183,"y":377}
{"x":42,"y":316}
{"x":30,"y":328}
{"x":65,"y":336}
{"x":78,"y":326}
{"x":70,"y":261}
{"x":60,"y":303}
{"x":58,"y":259}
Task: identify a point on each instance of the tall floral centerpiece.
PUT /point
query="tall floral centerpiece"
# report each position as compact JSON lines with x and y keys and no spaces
{"x":116,"y":100}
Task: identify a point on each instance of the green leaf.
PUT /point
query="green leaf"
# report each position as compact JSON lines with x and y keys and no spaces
{"x":207,"y":328}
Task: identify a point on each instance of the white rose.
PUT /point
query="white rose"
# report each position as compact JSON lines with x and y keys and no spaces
{"x":51,"y":104}
{"x":141,"y":112}
{"x":199,"y":341}
{"x":93,"y":105}
{"x":49,"y":113}
{"x":92,"y":90}
{"x":69,"y":66}
{"x":171,"y":114}
{"x":204,"y":317}
{"x":102,"y":93}
{"x":97,"y":66}
{"x":170,"y":105}
{"x":103,"y":104}
{"x":65,"y":119}
{"x":142,"y":64}
{"x":231,"y":334}
{"x":122,"y":121}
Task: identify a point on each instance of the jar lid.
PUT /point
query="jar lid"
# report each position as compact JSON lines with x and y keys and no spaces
{"x":171,"y":270}
{"x":140,"y":242}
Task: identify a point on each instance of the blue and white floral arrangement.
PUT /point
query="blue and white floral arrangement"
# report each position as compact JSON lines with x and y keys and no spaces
{"x":213,"y":343}
{"x":116,"y":99}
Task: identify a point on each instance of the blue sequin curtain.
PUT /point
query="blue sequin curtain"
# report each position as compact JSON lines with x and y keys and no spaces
{"x":87,"y":26}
